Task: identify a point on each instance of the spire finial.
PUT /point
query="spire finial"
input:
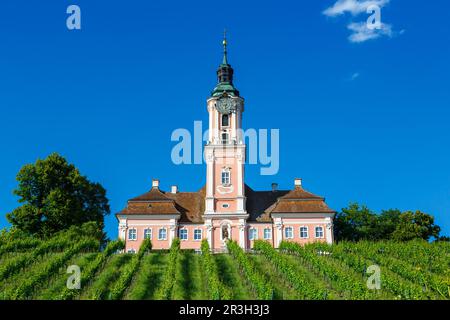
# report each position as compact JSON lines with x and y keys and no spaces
{"x":224,"y":42}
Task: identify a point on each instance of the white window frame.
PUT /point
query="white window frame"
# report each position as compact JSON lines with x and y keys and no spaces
{"x":131,"y":251}
{"x":151,"y":233}
{"x":270,"y":234}
{"x":300,"y":232}
{"x":201,"y":234}
{"x":184,"y":230}
{"x":159,"y":234}
{"x":135,"y":234}
{"x":315,"y":232}
{"x":250,"y":232}
{"x":292,"y":232}
{"x":226,"y":180}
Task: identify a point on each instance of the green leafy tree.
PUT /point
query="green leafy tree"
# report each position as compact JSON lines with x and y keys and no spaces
{"x":55,"y":196}
{"x":387,"y":222}
{"x":355,"y":223}
{"x":415,"y":225}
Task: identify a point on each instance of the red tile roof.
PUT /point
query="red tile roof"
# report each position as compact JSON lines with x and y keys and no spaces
{"x":260,"y":204}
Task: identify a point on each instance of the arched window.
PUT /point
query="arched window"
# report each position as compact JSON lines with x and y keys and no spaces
{"x":226,"y":177}
{"x":225,"y":120}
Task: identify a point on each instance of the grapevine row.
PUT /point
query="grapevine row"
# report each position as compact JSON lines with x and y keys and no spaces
{"x":15,"y":264}
{"x":216,"y":289}
{"x":165,"y":291}
{"x":298,"y":279}
{"x":342,"y":279}
{"x":92,"y":268}
{"x":402,"y":288}
{"x":25,"y":289}
{"x":259,"y":282}
{"x":130,"y":269}
{"x":405,"y":270}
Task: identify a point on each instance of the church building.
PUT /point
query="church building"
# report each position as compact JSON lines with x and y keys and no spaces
{"x":226,"y":207}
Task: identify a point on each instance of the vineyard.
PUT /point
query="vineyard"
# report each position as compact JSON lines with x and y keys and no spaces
{"x":34,"y":269}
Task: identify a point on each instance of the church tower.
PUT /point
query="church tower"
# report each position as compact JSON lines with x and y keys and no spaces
{"x":225,"y":157}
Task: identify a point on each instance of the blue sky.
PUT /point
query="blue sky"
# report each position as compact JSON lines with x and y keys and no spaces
{"x":360,"y":121}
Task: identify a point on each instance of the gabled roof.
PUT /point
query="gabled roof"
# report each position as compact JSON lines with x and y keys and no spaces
{"x":300,"y":201}
{"x":152,"y":202}
{"x":153,"y":195}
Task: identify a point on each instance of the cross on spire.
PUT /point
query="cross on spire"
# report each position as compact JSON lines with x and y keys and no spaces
{"x":224,"y":42}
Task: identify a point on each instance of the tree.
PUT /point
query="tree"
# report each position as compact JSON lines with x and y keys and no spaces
{"x":387,"y":223}
{"x":355,"y":223}
{"x":413,"y":225}
{"x":443,"y":239}
{"x":55,"y":196}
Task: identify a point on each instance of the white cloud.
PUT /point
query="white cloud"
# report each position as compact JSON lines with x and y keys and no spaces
{"x":361,"y":33}
{"x":354,"y":76}
{"x":355,"y":7}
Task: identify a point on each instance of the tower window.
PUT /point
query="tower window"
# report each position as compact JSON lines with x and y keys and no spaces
{"x":225,"y":120}
{"x":225,"y":138}
{"x":226,"y":177}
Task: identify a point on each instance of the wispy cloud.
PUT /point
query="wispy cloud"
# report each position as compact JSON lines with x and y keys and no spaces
{"x":354,"y":7}
{"x":354,"y":76}
{"x":361,"y":33}
{"x":360,"y":30}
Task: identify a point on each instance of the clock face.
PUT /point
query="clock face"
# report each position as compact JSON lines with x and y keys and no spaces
{"x":226,"y":105}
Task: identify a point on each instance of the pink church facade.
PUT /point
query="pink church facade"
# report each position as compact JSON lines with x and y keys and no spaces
{"x":226,"y":207}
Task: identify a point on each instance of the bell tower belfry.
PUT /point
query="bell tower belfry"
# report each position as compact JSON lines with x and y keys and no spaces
{"x":225,"y":153}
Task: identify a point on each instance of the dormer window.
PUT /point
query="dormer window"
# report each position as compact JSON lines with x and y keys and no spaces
{"x":226,"y":177}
